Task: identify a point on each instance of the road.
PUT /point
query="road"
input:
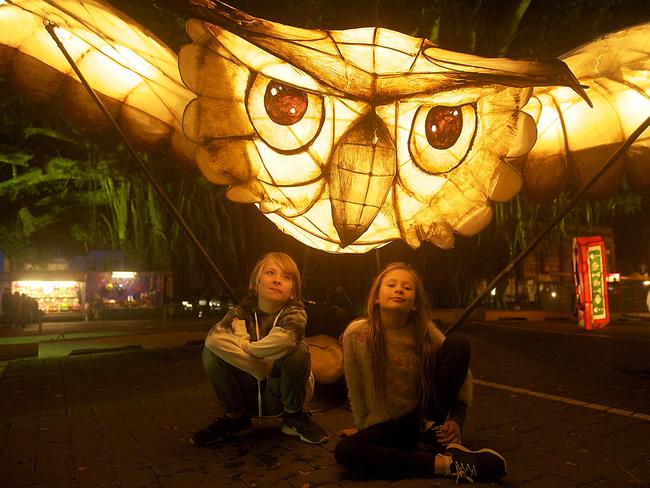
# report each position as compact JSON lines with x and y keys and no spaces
{"x":565,"y":408}
{"x":612,"y":370}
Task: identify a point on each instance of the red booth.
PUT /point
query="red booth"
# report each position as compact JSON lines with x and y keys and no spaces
{"x":589,"y":272}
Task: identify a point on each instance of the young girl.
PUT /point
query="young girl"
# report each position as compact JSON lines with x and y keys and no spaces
{"x":407,"y":384}
{"x":257,"y":360}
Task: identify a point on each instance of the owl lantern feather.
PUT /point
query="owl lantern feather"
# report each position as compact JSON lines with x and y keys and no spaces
{"x":350,"y":139}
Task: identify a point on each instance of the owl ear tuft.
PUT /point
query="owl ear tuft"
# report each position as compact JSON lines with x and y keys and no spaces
{"x":520,"y":73}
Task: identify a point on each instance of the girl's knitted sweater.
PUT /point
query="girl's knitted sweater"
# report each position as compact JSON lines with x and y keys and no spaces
{"x":403,"y":388}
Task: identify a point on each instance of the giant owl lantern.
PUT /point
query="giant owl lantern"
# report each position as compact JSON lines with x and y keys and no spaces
{"x":350,"y":139}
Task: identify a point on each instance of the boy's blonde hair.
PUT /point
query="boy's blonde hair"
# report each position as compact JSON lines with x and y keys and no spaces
{"x":286,"y":264}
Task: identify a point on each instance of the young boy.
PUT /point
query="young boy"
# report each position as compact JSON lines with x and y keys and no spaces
{"x":257,"y":360}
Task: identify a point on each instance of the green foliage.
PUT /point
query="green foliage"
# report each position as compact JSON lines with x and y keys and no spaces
{"x":64,"y":193}
{"x":518,"y":221}
{"x":17,"y":158}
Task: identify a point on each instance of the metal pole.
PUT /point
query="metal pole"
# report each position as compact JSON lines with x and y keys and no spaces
{"x":477,"y":301}
{"x":169,"y":205}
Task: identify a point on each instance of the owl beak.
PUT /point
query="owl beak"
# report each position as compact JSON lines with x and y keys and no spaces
{"x":362,"y":170}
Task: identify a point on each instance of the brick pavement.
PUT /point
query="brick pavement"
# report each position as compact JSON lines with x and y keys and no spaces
{"x":123,"y":419}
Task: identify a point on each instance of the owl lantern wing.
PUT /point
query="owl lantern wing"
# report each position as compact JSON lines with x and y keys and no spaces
{"x":345,"y":139}
{"x":135,"y":75}
{"x":574,"y":141}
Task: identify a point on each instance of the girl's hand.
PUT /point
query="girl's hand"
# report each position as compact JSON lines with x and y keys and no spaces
{"x":350,"y":431}
{"x":449,"y":433}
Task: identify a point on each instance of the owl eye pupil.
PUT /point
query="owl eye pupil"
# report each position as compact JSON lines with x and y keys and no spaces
{"x":443,"y":126}
{"x":284,"y":104}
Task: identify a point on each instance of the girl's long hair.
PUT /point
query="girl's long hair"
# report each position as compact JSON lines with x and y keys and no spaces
{"x":377,"y":337}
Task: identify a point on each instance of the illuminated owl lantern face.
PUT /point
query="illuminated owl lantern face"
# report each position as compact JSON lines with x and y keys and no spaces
{"x":348,"y":140}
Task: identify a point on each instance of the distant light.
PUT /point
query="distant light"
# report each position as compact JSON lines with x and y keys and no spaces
{"x":203,"y":303}
{"x":646,"y":283}
{"x":613,"y":277}
{"x":493,"y":292}
{"x":553,"y":294}
{"x":49,"y":284}
{"x":123,"y":274}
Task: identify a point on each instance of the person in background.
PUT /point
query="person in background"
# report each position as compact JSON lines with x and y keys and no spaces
{"x":35,"y":315}
{"x":7,"y":307}
{"x":256,"y":358}
{"x":640,"y":273}
{"x":17,"y":307}
{"x":409,"y":387}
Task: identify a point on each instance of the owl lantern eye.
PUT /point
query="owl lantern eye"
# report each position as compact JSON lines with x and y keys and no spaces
{"x":287,"y":118}
{"x":284,"y":104}
{"x":442,"y":136}
{"x":443,"y":126}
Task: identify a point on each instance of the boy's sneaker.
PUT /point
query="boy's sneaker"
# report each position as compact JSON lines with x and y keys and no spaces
{"x":221,"y":429}
{"x":301,"y":424}
{"x":482,"y":465}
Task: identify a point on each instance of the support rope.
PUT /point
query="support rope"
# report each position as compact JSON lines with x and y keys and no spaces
{"x":621,"y":150}
{"x":169,"y":205}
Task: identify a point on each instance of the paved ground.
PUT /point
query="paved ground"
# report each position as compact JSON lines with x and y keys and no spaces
{"x":61,"y":338}
{"x":565,"y":408}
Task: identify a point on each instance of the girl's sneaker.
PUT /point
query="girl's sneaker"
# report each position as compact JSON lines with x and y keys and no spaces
{"x":482,"y":465}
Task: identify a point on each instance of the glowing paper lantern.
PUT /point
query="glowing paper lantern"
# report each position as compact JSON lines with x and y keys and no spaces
{"x":350,"y":139}
{"x":346,"y":140}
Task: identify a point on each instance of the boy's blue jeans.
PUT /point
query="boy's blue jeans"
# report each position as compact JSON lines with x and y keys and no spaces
{"x":284,"y":391}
